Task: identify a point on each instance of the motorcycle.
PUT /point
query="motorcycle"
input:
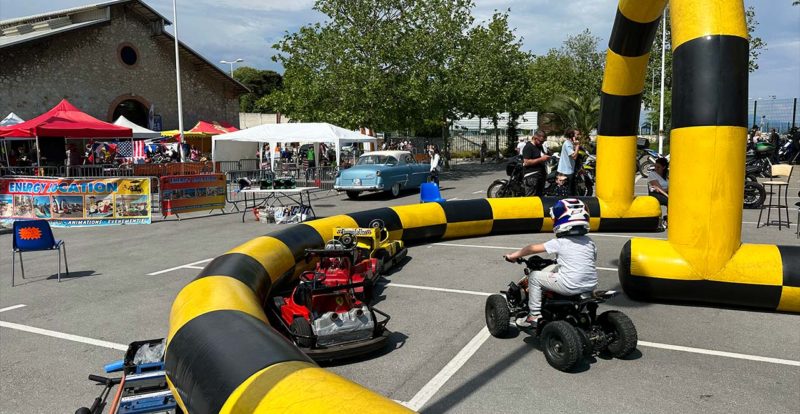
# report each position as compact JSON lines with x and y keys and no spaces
{"x":754,"y":194}
{"x":511,"y":187}
{"x":758,"y":163}
{"x":789,"y":152}
{"x":646,"y":163}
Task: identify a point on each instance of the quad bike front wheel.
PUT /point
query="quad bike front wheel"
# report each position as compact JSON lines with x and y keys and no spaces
{"x":561,"y":345}
{"x":497,"y":315}
{"x":622,"y":331}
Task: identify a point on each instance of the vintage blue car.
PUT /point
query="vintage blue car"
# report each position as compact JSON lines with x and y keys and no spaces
{"x":382,"y":171}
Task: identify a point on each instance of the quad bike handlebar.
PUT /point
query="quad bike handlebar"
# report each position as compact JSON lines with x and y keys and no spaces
{"x":533,"y":262}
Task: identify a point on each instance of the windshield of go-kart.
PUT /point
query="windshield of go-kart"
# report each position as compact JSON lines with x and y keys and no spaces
{"x":376,"y":160}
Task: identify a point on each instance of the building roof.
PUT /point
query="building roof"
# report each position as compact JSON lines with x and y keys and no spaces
{"x":29,"y":28}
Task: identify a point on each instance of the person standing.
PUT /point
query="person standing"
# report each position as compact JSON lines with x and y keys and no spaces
{"x":484,"y":148}
{"x":521,"y":145}
{"x":533,"y":164}
{"x":436,"y":160}
{"x":775,"y":140}
{"x":569,"y":153}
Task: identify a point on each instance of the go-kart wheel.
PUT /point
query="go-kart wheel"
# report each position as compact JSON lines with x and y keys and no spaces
{"x":622,"y":331}
{"x":347,"y":239}
{"x":497,"y":315}
{"x":561,"y":345}
{"x":383,"y":261}
{"x":300,"y":326}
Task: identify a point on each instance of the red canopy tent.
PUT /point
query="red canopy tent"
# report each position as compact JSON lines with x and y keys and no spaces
{"x":213,"y":128}
{"x":67,"y":121}
{"x":200,"y":134}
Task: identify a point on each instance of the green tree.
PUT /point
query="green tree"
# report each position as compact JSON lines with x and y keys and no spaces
{"x":574,"y":111}
{"x":261,"y":83}
{"x":384,"y":64}
{"x":491,"y":67}
{"x":574,"y":69}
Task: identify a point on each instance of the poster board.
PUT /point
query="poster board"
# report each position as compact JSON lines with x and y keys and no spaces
{"x":76,"y":202}
{"x":187,"y":193}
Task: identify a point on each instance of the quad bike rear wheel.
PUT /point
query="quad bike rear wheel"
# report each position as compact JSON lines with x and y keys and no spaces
{"x":300,"y":326}
{"x":562,"y":345}
{"x":622,"y":330}
{"x":497,"y":315}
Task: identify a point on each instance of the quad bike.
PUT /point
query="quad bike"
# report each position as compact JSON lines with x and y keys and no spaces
{"x":327,"y":314}
{"x":570,"y":328}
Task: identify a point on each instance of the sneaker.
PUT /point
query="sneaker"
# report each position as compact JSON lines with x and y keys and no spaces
{"x":528,"y":322}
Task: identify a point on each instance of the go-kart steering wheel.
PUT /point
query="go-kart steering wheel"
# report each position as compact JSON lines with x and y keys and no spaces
{"x":311,"y":276}
{"x":334,"y":245}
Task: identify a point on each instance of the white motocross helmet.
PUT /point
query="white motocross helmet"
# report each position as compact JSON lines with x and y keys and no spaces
{"x":570,"y":217}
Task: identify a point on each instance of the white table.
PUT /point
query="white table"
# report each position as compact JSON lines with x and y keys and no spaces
{"x":271,"y":196}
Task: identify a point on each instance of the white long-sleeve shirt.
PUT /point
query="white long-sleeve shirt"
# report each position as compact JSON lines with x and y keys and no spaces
{"x":434,"y":162}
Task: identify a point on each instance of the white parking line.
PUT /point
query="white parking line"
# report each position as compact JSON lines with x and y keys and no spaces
{"x":477,"y":192}
{"x":11,"y":308}
{"x":61,"y":335}
{"x":180,"y":267}
{"x":429,"y":390}
{"x":720,"y":353}
{"x":435,"y":289}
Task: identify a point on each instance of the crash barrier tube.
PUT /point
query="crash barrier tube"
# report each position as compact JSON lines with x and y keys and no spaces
{"x":222,"y":355}
{"x":703,"y":259}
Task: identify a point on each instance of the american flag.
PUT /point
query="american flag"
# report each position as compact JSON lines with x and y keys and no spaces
{"x":133,"y":152}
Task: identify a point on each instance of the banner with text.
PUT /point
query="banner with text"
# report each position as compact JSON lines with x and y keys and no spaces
{"x":68,"y":202}
{"x":185,"y":193}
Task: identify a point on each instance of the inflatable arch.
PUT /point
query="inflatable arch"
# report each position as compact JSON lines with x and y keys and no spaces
{"x":703,"y":259}
{"x":222,"y":355}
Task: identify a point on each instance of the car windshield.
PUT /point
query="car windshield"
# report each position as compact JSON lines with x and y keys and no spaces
{"x":376,"y":160}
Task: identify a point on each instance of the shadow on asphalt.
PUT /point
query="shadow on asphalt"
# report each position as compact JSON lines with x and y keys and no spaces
{"x":447,"y":401}
{"x":395,"y":341}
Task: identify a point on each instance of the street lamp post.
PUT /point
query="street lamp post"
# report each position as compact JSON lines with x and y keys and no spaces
{"x":231,"y":63}
{"x":178,"y":78}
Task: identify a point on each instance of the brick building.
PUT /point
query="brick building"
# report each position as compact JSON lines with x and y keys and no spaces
{"x":109,"y":59}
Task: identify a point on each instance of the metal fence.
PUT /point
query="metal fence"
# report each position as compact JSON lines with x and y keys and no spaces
{"x":769,"y":113}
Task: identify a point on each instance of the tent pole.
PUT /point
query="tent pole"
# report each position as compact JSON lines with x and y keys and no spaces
{"x":38,"y":153}
{"x":5,"y":147}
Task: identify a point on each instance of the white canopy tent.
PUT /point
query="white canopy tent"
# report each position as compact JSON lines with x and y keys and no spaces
{"x":138,"y":131}
{"x":242,"y":144}
{"x":11,"y":119}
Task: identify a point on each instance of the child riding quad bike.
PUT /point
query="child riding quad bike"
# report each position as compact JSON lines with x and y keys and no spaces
{"x":325,"y":315}
{"x":558,"y":300}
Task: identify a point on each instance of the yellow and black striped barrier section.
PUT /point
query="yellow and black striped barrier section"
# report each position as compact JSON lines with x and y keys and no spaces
{"x":222,"y":355}
{"x":703,"y":259}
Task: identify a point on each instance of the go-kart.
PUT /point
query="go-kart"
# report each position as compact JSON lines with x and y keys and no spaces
{"x":326,"y":314}
{"x":570,"y":328}
{"x":373,"y":242}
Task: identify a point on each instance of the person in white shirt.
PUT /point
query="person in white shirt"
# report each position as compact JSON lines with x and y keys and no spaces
{"x":576,"y":256}
{"x":436,"y":160}
{"x":521,"y":145}
{"x":658,"y":186}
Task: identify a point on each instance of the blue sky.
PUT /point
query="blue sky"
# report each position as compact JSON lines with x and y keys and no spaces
{"x":247,"y":29}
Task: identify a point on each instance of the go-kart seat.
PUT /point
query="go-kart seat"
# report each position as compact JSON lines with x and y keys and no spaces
{"x":302,"y":294}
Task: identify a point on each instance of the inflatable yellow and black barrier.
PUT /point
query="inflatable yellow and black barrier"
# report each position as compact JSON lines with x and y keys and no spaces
{"x":222,"y":355}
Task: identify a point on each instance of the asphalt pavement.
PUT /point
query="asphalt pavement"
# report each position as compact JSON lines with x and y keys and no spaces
{"x":441,"y":359}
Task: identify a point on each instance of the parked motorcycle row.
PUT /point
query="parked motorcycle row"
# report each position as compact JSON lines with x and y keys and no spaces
{"x":514,"y":186}
{"x":758,"y":164}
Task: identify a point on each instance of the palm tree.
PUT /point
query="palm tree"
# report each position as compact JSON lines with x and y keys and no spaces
{"x":577,"y":112}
